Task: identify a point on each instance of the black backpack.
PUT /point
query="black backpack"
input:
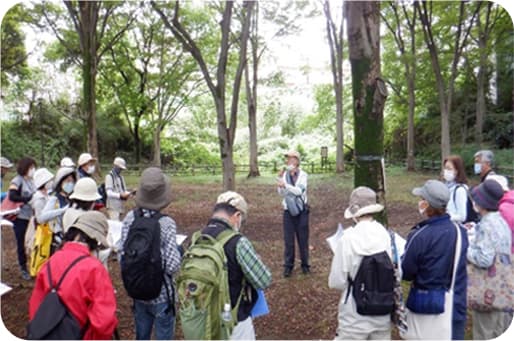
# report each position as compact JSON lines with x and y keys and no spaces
{"x":141,"y":264}
{"x":373,"y":285}
{"x":53,"y":320}
{"x":471,"y":214}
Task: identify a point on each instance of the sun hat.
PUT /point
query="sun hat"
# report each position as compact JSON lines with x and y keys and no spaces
{"x":154,"y":191}
{"x":86,"y":190}
{"x":293,"y":153}
{"x":67,"y":162}
{"x":61,"y":174}
{"x":42,"y":176}
{"x":501,"y":180}
{"x":435,"y":192}
{"x":5,"y":163}
{"x":235,"y":200}
{"x":85,"y":158}
{"x":363,"y":201}
{"x":487,"y":195}
{"x":94,"y":224}
{"x":120,"y":162}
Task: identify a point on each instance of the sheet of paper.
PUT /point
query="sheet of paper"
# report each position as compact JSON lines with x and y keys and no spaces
{"x":400,"y":244}
{"x":332,"y":240}
{"x":114,"y":234}
{"x":181,"y":238}
{"x":4,"y":288}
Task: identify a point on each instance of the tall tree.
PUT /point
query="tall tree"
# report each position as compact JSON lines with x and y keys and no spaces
{"x":93,"y":23}
{"x":335,"y":42}
{"x":218,"y":87}
{"x":445,"y":89}
{"x":369,"y":94}
{"x":406,"y":44}
{"x":487,"y":17}
{"x":14,"y":54}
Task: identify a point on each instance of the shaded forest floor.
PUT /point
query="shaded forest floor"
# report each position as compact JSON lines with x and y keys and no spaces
{"x":302,"y":306}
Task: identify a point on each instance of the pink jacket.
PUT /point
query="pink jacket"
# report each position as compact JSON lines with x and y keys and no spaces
{"x":506,"y":208}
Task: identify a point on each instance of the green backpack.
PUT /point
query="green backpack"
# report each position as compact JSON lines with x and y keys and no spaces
{"x":203,"y":288}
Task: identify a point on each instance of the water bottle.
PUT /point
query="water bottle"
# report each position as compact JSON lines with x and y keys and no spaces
{"x":226,"y":315}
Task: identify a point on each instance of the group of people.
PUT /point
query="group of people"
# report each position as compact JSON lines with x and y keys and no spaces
{"x":60,"y":199}
{"x":437,"y":251}
{"x":437,"y":254}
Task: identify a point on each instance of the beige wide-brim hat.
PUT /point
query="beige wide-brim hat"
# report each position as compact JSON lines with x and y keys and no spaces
{"x":85,"y":158}
{"x":363,"y":201}
{"x":86,"y":190}
{"x":42,"y":176}
{"x":120,"y":162}
{"x":94,"y":224}
{"x":235,"y":200}
{"x":154,"y":191}
{"x":67,"y":162}
{"x":293,"y":153}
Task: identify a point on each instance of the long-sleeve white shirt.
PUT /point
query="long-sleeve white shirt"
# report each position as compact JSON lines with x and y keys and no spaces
{"x":457,"y":205}
{"x":366,"y":238}
{"x":298,"y":189}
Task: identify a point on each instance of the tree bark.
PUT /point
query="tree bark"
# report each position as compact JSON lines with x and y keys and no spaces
{"x":89,"y":16}
{"x":335,"y":42}
{"x":157,"y":146}
{"x":369,"y":95}
{"x":251,"y":94}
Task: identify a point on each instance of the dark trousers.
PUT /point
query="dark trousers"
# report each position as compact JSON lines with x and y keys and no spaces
{"x":296,"y":226}
{"x":20,"y":227}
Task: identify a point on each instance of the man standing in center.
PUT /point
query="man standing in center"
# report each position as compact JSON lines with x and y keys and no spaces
{"x":292,"y":186}
{"x":116,"y":189}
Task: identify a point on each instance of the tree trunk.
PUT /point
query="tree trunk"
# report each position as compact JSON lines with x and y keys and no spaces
{"x":480,"y":103}
{"x":411,"y":160}
{"x":251,"y":95}
{"x":369,"y":95}
{"x":89,"y":71}
{"x":157,"y":146}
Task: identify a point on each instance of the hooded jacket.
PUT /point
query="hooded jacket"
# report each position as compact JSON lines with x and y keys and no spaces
{"x":364,"y":239}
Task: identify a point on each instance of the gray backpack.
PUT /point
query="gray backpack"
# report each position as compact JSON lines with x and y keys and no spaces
{"x":294,"y":203}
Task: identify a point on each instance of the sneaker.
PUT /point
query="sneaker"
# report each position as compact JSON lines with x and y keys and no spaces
{"x":287,"y":272}
{"x":25,"y":275}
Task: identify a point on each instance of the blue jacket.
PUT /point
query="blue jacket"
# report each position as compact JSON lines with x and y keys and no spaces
{"x":428,"y":259}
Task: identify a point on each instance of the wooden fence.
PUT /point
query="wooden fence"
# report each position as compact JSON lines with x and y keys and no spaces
{"x":432,"y":166}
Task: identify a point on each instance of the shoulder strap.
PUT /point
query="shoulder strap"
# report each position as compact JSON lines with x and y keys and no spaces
{"x":226,"y":235}
{"x":64,"y":274}
{"x":456,"y":258}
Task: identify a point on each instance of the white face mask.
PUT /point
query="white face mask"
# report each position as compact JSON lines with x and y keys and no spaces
{"x":290,"y":167}
{"x":90,"y":169}
{"x":448,"y":175}
{"x":477,"y":167}
{"x":421,"y":209}
{"x":68,"y":187}
{"x":31,"y":172}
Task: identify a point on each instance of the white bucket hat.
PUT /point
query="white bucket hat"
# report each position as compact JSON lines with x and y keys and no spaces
{"x":67,"y":162}
{"x":5,"y":163}
{"x":363,"y":201}
{"x":86,"y":190}
{"x":62,"y":173}
{"x":120,"y":162}
{"x":42,"y":176}
{"x":293,"y":153}
{"x":85,"y":158}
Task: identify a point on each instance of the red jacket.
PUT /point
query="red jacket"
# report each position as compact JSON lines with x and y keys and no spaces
{"x":506,"y":208}
{"x":87,"y":290}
